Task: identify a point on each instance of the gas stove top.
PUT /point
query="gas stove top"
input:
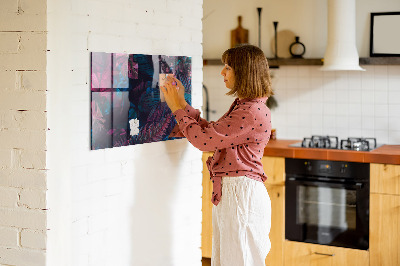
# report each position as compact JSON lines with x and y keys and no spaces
{"x":332,"y":142}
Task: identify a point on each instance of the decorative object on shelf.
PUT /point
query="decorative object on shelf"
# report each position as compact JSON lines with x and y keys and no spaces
{"x":276,"y":38}
{"x":259,"y":9}
{"x":297,"y":49}
{"x":126,"y":103}
{"x":239,"y":35}
{"x":383,"y":41}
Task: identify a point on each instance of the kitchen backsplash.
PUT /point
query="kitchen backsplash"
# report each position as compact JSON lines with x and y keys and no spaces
{"x":314,"y":102}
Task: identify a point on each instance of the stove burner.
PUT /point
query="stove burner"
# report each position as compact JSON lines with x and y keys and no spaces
{"x":328,"y":142}
{"x":358,"y":144}
{"x":332,"y":142}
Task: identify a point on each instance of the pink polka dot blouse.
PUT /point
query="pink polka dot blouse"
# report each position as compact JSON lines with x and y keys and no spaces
{"x":238,"y":139}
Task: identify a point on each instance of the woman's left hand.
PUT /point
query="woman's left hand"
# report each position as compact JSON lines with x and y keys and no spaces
{"x":171,"y":95}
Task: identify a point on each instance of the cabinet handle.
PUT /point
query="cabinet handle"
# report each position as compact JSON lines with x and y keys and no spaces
{"x":324,"y":254}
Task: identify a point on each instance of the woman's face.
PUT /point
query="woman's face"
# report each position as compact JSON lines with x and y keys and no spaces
{"x":229,"y":76}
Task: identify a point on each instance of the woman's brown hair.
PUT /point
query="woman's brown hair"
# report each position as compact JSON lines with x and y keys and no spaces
{"x":250,"y":66}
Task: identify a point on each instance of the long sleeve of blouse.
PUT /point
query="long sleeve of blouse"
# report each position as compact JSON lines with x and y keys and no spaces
{"x":228,"y":132}
{"x":193,"y":113}
{"x":238,"y":139}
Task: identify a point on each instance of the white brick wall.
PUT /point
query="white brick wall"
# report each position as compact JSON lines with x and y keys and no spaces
{"x":8,"y":197}
{"x":9,"y":237}
{"x":134,"y":205}
{"x":24,"y":256}
{"x":33,"y":239}
{"x":23,"y":132}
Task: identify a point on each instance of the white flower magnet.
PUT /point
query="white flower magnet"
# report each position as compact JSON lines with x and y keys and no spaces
{"x":134,"y":126}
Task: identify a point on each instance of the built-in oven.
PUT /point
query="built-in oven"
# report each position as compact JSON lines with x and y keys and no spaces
{"x":327,"y":202}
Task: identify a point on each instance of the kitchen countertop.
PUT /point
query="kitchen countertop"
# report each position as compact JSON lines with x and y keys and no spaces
{"x":389,"y":154}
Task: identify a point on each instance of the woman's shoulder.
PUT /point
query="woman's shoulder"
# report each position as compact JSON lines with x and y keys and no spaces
{"x":257,"y":110}
{"x":257,"y":104}
{"x":260,"y":110}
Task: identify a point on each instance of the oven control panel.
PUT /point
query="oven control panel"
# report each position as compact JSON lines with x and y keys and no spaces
{"x":325,"y":167}
{"x":338,"y":169}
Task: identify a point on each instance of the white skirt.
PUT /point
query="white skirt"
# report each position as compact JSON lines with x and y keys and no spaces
{"x":241,"y":223}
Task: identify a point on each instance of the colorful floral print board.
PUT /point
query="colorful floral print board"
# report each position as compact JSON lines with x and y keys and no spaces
{"x":127,"y":107}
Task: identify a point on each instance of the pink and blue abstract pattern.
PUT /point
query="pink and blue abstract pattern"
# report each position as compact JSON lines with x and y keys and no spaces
{"x":126,"y":107}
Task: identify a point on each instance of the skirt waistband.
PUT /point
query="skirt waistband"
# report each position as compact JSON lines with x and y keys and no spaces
{"x":236,"y":179}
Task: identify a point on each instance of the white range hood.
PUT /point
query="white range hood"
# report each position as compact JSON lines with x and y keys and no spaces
{"x":341,"y":51}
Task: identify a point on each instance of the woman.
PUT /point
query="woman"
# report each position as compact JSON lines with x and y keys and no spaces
{"x":242,"y":211}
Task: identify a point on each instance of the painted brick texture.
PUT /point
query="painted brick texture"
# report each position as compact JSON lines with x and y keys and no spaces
{"x":109,"y":207}
{"x":23,"y":126}
{"x":134,"y":205}
{"x":9,"y":237}
{"x":33,"y":239}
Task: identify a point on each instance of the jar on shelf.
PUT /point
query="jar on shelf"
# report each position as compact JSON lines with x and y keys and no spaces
{"x":297,"y":49}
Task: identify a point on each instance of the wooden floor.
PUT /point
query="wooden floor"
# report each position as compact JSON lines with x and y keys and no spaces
{"x":206,"y":261}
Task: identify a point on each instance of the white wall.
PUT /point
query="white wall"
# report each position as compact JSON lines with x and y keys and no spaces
{"x":134,"y":205}
{"x":306,"y":19}
{"x":23,"y":133}
{"x":311,"y":102}
{"x":343,"y":104}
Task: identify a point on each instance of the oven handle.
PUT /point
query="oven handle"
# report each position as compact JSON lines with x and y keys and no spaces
{"x":324,"y":254}
{"x":357,"y":185}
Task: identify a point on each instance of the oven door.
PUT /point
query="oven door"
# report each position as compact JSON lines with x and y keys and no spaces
{"x":327,"y":213}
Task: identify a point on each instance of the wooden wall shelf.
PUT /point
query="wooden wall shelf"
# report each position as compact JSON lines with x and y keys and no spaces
{"x":380,"y":61}
{"x":273,"y":63}
{"x":295,"y":62}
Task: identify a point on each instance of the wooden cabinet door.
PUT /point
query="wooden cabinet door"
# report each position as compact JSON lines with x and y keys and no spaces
{"x":385,"y":178}
{"x":206,"y":226}
{"x":277,"y":233}
{"x":384,"y":237}
{"x":304,"y":254}
{"x":274,"y":168}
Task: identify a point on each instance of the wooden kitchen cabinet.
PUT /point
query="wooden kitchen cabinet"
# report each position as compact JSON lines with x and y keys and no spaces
{"x":206,"y":225}
{"x":384,"y":236}
{"x":277,"y":233}
{"x":305,"y":254}
{"x":274,"y":168}
{"x":384,"y":215}
{"x":385,"y":178}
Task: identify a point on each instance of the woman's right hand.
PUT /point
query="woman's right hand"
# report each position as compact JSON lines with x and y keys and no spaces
{"x":181,"y":89}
